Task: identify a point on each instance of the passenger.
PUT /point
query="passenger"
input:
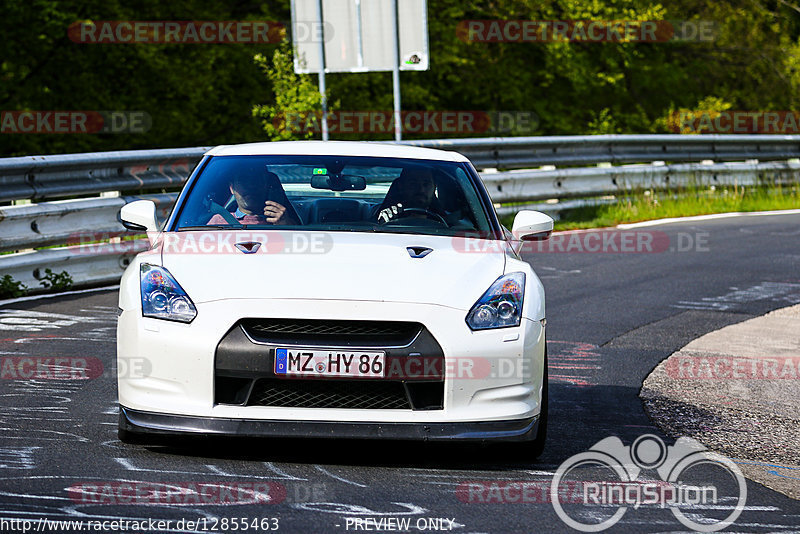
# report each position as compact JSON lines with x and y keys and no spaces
{"x":261,"y":200}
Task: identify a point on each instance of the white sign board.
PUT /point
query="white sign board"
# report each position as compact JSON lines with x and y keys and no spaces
{"x":358,"y":35}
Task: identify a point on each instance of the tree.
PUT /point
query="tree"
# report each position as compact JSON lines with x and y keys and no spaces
{"x":298,"y":102}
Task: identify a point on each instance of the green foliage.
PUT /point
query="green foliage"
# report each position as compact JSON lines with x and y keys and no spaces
{"x":56,"y":282}
{"x":297,"y":99}
{"x":206,"y":94}
{"x":10,"y":288}
{"x":683,"y":120}
{"x":196,"y":94}
{"x":603,"y":123}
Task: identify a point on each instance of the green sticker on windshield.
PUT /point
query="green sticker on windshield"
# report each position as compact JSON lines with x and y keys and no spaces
{"x":320,"y":171}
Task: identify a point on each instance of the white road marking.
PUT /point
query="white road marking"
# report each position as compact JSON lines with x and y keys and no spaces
{"x":337,"y":477}
{"x":17,"y":457}
{"x":282,"y":474}
{"x":216,"y":470}
{"x":53,"y":295}
{"x":354,"y":509}
{"x":711,"y":217}
{"x":34,"y":321}
{"x":773,"y":291}
{"x":725,"y":507}
{"x":212,"y":470}
{"x":542,"y":473}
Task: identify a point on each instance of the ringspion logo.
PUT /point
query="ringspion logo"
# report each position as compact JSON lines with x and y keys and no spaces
{"x":705,"y":491}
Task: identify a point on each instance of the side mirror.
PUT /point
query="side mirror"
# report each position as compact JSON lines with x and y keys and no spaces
{"x":139,"y":216}
{"x":532,"y":226}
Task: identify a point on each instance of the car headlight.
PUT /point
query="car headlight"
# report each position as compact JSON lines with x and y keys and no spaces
{"x":501,"y":305}
{"x":163,"y":297}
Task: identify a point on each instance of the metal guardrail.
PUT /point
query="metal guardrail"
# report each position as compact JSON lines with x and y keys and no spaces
{"x":68,"y":221}
{"x":526,"y":152}
{"x":724,"y":160}
{"x":46,"y":177}
{"x":520,"y":186}
{"x":51,"y":177}
{"x":524,"y":186}
{"x":95,"y":264}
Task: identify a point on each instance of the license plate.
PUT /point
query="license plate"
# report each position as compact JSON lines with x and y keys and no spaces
{"x":331,"y":362}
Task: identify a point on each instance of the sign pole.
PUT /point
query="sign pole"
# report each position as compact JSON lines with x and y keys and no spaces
{"x":398,"y":123}
{"x":322,"y":71}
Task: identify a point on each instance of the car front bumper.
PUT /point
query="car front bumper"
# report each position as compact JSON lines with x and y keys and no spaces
{"x":177,"y":372}
{"x":164,"y":425}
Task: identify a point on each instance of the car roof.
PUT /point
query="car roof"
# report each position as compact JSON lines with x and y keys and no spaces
{"x":335,"y":148}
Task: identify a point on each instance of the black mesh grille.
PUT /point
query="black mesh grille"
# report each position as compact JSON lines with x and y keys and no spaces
{"x":307,"y":331}
{"x":359,"y":394}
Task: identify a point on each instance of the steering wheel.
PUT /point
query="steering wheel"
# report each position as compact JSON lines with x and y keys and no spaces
{"x":428,"y":213}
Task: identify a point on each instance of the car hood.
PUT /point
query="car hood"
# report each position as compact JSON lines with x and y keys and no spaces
{"x":333,"y":265}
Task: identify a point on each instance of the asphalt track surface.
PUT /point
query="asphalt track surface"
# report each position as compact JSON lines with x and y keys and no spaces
{"x":611,"y":318}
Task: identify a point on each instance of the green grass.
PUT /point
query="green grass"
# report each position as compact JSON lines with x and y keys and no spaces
{"x":649,"y":205}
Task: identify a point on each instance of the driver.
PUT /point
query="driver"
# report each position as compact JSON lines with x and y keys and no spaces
{"x":259,"y":201}
{"x":414,"y":189}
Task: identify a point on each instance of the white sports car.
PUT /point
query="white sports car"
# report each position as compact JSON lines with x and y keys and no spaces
{"x":333,"y":289}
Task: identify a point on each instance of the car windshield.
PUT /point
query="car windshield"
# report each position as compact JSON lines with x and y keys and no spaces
{"x":347,"y":193}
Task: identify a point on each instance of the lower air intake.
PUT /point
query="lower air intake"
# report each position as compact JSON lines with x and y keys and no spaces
{"x":356,"y":394}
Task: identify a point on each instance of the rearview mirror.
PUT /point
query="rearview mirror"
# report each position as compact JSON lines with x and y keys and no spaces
{"x":532,"y":226}
{"x":342,"y":182}
{"x":139,"y":216}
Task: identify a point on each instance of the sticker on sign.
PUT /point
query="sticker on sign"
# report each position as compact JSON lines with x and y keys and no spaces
{"x":330,"y":362}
